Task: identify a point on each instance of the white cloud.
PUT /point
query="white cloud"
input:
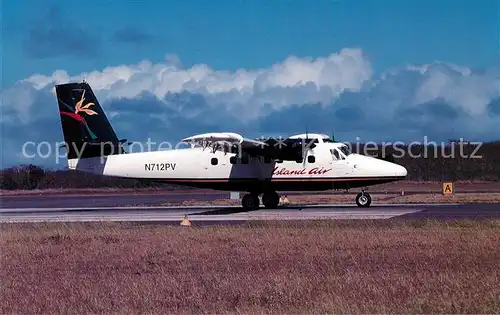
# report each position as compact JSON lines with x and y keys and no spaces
{"x":293,"y":81}
{"x":330,"y":76}
{"x":459,"y":86}
{"x":246,"y":95}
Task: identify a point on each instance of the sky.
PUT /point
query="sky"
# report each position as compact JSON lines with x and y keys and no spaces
{"x":377,"y":70}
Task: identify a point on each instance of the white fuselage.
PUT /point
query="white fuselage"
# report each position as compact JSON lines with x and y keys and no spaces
{"x":329,"y":168}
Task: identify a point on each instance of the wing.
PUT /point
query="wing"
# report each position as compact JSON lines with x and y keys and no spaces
{"x":281,"y":149}
{"x":224,"y":141}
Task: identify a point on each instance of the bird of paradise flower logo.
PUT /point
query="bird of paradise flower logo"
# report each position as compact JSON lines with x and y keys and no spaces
{"x":80,"y":108}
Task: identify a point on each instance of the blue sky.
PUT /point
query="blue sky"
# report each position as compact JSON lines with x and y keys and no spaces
{"x":229,"y":34}
{"x":379,"y":70}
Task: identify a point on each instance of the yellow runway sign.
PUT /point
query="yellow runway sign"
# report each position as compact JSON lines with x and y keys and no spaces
{"x":448,"y":188}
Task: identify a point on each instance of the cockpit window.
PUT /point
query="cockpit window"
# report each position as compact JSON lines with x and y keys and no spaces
{"x":327,"y":140}
{"x":345,"y":150}
{"x":340,"y":153}
{"x":335,"y":154}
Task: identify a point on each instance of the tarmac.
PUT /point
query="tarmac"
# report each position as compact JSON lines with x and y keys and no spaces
{"x":145,"y":208}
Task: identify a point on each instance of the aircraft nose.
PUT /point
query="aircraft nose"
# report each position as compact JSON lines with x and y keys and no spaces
{"x":400,"y":170}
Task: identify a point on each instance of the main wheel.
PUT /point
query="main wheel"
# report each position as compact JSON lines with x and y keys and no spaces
{"x":250,"y":202}
{"x":363,"y":200}
{"x":271,"y":199}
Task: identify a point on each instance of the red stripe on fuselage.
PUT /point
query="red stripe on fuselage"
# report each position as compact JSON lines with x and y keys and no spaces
{"x":295,"y":179}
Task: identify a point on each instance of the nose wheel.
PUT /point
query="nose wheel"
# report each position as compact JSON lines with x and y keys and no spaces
{"x":363,"y":199}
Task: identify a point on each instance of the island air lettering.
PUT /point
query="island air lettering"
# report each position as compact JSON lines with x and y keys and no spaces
{"x":159,"y":166}
{"x":312,"y":171}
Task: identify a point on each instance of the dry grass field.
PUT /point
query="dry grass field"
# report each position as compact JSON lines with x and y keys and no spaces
{"x":384,"y":266}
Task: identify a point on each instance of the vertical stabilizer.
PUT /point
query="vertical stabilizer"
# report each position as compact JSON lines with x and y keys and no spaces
{"x":87,"y":131}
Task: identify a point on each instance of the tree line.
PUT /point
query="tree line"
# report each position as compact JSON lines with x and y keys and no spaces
{"x":452,"y":162}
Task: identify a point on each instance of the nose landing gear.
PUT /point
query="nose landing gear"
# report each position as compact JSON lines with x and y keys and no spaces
{"x":363,"y":199}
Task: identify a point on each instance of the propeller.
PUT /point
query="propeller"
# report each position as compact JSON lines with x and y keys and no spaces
{"x":308,"y":146}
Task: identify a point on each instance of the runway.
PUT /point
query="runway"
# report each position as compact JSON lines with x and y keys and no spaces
{"x":84,"y":200}
{"x":90,"y":200}
{"x":231,"y":214}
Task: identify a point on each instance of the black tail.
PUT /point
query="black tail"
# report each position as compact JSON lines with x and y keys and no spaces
{"x":87,"y":131}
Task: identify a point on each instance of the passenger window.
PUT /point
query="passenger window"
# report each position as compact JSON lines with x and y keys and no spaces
{"x":299,"y":160}
{"x":214,"y":161}
{"x":232,"y":160}
{"x":311,"y":159}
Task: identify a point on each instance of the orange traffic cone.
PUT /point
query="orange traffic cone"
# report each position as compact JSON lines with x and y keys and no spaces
{"x":185,"y":221}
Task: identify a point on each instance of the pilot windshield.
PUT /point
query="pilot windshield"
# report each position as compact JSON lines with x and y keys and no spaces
{"x":340,"y":153}
{"x":345,"y":150}
{"x":336,"y":154}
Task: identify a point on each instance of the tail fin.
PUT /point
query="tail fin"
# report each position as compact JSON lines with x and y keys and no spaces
{"x":87,"y":131}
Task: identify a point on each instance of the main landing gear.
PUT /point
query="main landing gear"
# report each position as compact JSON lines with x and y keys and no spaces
{"x":271,"y":200}
{"x":251,"y":201}
{"x":363,"y":199}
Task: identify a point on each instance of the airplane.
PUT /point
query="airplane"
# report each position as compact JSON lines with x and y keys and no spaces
{"x":224,"y":161}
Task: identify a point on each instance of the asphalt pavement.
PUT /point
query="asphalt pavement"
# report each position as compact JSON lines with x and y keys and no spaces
{"x":50,"y":210}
